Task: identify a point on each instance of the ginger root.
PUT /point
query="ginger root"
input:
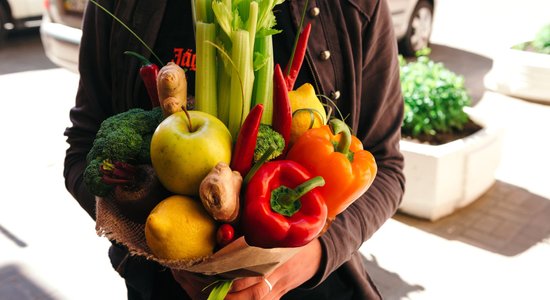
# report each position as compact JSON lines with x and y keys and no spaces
{"x":172,"y":88}
{"x":219,"y":192}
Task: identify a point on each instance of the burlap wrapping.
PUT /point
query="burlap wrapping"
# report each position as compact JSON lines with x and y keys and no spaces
{"x":238,"y":259}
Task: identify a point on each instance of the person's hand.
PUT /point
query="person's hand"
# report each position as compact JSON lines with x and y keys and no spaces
{"x":297,"y":270}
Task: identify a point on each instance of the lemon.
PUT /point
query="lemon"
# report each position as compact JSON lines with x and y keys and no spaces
{"x":307,"y":111}
{"x":180,"y":228}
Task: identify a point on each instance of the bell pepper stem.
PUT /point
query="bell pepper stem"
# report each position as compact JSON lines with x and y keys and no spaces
{"x":285,"y":201}
{"x":307,"y":186}
{"x":258,"y":164}
{"x":338,"y":126}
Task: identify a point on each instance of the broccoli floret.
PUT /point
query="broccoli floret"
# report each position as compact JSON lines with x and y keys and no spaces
{"x":93,"y":179}
{"x":97,"y":149}
{"x":142,"y":121}
{"x":267,"y":137}
{"x":117,"y":137}
{"x":122,"y":145}
{"x":125,"y":137}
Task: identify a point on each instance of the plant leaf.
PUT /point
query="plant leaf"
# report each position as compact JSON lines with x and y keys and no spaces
{"x":220,"y":290}
{"x":223,"y":16}
{"x":129,"y":30}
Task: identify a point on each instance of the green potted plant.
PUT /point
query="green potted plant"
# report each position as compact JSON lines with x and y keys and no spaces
{"x":435,"y":101}
{"x":523,"y":70}
{"x":450,"y":159}
{"x":540,"y":44}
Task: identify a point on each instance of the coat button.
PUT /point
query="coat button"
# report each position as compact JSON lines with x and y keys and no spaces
{"x":314,"y":12}
{"x":325,"y":55}
{"x":335,"y":95}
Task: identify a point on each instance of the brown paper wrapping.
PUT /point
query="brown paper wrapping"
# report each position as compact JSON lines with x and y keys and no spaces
{"x":238,"y":259}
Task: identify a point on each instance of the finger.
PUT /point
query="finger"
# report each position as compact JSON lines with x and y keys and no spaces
{"x":244,"y":283}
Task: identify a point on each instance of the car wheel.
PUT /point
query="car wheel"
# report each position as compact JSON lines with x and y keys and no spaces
{"x":419,"y":30}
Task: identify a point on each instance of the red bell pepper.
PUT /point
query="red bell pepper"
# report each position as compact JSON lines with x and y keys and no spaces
{"x":282,"y":112}
{"x":243,"y":152}
{"x":148,"y":73}
{"x":282,"y":207}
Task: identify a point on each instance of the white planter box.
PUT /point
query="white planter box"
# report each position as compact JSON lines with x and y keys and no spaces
{"x":521,"y":74}
{"x":443,"y":178}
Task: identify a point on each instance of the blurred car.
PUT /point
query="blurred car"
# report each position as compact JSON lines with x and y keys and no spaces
{"x":61,"y":28}
{"x":412,"y":20}
{"x":61,"y":32}
{"x":19,"y":14}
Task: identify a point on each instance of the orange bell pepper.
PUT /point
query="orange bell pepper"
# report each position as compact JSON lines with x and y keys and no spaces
{"x":339,"y":158}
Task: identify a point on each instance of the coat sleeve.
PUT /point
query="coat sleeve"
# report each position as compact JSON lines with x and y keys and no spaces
{"x":93,"y":101}
{"x":380,"y":118}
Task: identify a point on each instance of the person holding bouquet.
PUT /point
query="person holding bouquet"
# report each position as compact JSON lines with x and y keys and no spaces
{"x":352,"y":58}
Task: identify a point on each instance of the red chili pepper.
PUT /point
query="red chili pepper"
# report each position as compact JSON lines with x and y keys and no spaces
{"x":282,"y":208}
{"x":282,"y":112}
{"x":243,"y":152}
{"x":148,"y":73}
{"x":225,"y":235}
{"x":295,"y":64}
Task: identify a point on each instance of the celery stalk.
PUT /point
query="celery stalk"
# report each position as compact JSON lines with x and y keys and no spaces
{"x":224,"y":92}
{"x":203,"y":10}
{"x":240,"y":24}
{"x":205,"y":82}
{"x":252,"y":24}
{"x":263,"y":79}
{"x":242,"y":78}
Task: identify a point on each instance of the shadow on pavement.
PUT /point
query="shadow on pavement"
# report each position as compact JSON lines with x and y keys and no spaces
{"x":12,"y":237}
{"x":23,"y":51}
{"x":507,"y":220}
{"x":14,"y":284}
{"x":392,"y":284}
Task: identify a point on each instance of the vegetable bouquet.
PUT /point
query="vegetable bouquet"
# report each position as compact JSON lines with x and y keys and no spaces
{"x":268,"y":167}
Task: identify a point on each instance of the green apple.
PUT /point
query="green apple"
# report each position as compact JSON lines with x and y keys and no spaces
{"x":182,"y":157}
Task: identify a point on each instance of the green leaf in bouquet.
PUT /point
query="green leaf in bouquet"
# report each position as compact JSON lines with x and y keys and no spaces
{"x":267,"y":18}
{"x":221,"y":288}
{"x":129,"y":30}
{"x":224,"y":17}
